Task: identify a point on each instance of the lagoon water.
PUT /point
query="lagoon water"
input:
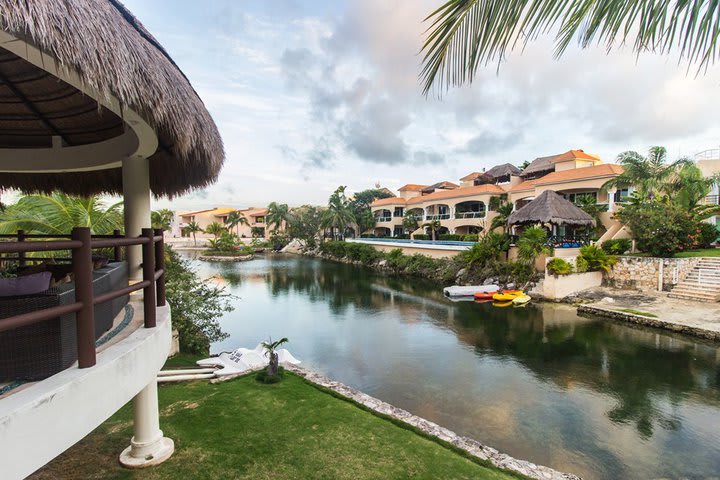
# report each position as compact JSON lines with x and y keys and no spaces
{"x":601,"y":399}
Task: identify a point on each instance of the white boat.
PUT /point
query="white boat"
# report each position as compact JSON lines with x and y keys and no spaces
{"x":468,"y":291}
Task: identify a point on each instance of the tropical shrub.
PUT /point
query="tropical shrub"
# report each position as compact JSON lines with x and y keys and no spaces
{"x":421,"y":236}
{"x":559,"y":266}
{"x":334,"y":248}
{"x":617,"y":246}
{"x":396,"y":260}
{"x":486,"y":249}
{"x":660,"y":228}
{"x":532,"y":243}
{"x":473,"y":237}
{"x":362,"y":252}
{"x":596,"y":259}
{"x":226,"y":243}
{"x":451,"y":237}
{"x":196,"y":305}
{"x":705,"y":234}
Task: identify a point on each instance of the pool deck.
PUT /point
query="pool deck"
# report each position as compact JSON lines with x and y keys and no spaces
{"x":693,"y":318}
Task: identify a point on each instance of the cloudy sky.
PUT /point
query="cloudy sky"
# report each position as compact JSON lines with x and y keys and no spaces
{"x":315,"y":94}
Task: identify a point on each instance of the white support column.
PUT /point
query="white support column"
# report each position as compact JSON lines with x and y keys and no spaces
{"x":136,"y":197}
{"x":611,"y":199}
{"x":147,"y":447}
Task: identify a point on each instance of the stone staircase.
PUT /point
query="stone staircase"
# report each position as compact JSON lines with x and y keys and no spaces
{"x":702,"y":283}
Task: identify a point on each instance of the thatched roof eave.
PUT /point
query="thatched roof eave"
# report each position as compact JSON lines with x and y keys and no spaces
{"x":114,"y":55}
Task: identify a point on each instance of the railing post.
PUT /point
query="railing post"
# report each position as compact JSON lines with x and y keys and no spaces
{"x":148,"y":270}
{"x":85,"y":317}
{"x":21,"y":255}
{"x":160,"y":265}
{"x":117,"y":250}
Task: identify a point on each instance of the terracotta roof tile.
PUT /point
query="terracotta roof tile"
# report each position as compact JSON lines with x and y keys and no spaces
{"x":471,"y":176}
{"x":458,"y":192}
{"x":388,"y":201}
{"x":602,"y":170}
{"x":411,"y":187}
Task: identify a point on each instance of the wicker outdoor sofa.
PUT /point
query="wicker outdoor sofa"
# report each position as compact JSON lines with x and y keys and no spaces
{"x":40,"y":350}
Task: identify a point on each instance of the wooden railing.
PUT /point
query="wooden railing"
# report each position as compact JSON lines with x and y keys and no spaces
{"x":81,"y":245}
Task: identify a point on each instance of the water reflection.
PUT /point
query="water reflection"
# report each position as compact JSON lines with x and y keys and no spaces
{"x":601,"y":399}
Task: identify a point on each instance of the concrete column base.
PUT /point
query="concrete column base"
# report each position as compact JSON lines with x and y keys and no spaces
{"x":143,"y":455}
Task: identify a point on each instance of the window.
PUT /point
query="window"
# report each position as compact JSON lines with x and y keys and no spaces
{"x":398,"y":212}
{"x":621,"y":196}
{"x":259,"y":219}
{"x":573,"y":197}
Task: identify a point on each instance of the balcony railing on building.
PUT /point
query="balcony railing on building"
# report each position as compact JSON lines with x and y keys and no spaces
{"x":81,"y":244}
{"x":463,"y":215}
{"x":383,"y":219}
{"x":442,"y":216}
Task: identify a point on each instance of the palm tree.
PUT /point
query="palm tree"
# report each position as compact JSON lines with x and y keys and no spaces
{"x":588,"y":204}
{"x":434,"y":226}
{"x":338,"y":214}
{"x":193,"y":228}
{"x":277,"y":215}
{"x":411,"y":222}
{"x":58,"y":213}
{"x":648,"y":175}
{"x":161,"y":219}
{"x":502,"y":212}
{"x":689,"y":188}
{"x":467,"y":34}
{"x":532,"y":243}
{"x":270,"y":347}
{"x":235,"y":219}
{"x":215,"y":229}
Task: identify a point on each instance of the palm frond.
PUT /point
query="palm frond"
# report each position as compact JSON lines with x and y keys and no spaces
{"x":466,"y":34}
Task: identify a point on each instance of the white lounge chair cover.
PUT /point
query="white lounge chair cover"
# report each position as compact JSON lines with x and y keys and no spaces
{"x":466,"y":291}
{"x":244,"y":360}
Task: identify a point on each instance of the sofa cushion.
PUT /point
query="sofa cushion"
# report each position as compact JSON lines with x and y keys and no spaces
{"x":26,"y":285}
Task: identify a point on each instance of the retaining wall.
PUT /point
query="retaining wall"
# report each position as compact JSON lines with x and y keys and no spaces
{"x":644,"y":273}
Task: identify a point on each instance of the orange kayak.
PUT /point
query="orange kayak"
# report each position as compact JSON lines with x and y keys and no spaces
{"x":484,"y":295}
{"x":512,"y":292}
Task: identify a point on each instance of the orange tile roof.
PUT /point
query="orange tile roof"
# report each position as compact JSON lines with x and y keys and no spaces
{"x":254,"y":212}
{"x":412,"y":187}
{"x":458,"y":192}
{"x":195,"y":212}
{"x":602,"y":170}
{"x":471,"y":176}
{"x":574,"y":155}
{"x":388,"y":201}
{"x":583,"y":173}
{"x":526,"y":185}
{"x":223,"y":211}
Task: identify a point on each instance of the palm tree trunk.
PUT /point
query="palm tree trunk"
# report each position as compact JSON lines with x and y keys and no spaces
{"x":194,"y":239}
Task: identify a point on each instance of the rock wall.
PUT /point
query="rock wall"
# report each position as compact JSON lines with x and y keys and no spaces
{"x":642,"y":273}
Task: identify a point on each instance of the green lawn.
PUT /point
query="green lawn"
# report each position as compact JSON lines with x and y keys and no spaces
{"x":243,"y":429}
{"x":706,"y":252}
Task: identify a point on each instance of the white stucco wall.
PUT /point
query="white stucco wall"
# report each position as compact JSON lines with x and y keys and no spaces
{"x":556,"y":287}
{"x":43,"y":420}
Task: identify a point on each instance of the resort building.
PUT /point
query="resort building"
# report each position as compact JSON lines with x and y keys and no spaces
{"x":90,"y":103}
{"x":254,"y":226}
{"x":470,"y":206}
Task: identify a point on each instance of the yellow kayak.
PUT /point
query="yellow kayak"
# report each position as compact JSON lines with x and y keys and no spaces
{"x":521,"y":300}
{"x":507,"y":297}
{"x":502,"y":304}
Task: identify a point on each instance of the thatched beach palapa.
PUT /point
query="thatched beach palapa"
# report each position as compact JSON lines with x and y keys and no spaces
{"x":550,"y":208}
{"x":504,"y":170}
{"x":86,"y":73}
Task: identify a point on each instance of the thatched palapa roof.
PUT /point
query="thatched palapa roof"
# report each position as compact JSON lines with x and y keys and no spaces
{"x":549,"y":207}
{"x":504,"y":170}
{"x":114,"y":55}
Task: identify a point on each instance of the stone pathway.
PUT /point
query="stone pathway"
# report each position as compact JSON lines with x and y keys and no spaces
{"x":469,"y":445}
{"x":700,"y":319}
